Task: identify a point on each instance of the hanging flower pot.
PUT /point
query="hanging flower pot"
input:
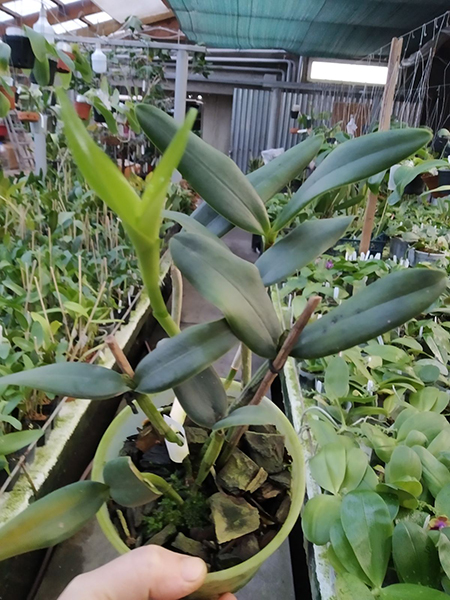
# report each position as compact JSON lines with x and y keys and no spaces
{"x":22,"y":56}
{"x":83,"y":108}
{"x":52,"y":65}
{"x":61,"y":66}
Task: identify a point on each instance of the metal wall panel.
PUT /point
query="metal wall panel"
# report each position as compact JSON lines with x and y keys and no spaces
{"x":251,"y":107}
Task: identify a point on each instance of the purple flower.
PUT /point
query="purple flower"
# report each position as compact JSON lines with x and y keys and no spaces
{"x":439,"y":523}
{"x":329,"y":264}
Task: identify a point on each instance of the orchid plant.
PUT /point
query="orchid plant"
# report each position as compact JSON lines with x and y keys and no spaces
{"x":184,"y":362}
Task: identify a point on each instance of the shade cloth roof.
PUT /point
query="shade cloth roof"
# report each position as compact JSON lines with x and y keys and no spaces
{"x":326,"y":28}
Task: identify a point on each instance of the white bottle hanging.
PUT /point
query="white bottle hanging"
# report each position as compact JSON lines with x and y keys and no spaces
{"x":99,"y":61}
{"x":43,"y":27}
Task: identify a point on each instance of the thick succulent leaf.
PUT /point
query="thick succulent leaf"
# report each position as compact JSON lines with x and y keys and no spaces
{"x":177,"y":359}
{"x":435,"y":475}
{"x":430,"y":424}
{"x":11,"y":442}
{"x":190,"y":224}
{"x":415,"y":556}
{"x":381,"y":306}
{"x":337,"y":376}
{"x":410,"y":591}
{"x":267,"y":181}
{"x":234,"y":286}
{"x":319,"y":515}
{"x":210,"y":172}
{"x":404,"y":462}
{"x":73,"y":379}
{"x":349,"y":587}
{"x":357,"y":463}
{"x":247,"y":415}
{"x":353,"y":161}
{"x":52,"y":519}
{"x":300,"y":247}
{"x":442,"y":502}
{"x":203,"y":398}
{"x":127,"y":486}
{"x":368,"y":527}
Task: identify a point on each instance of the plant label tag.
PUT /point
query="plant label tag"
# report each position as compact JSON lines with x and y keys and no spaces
{"x":177,"y":453}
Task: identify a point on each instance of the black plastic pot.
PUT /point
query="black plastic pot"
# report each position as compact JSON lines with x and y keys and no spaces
{"x":376,"y":245}
{"x":444,"y":178}
{"x":22,"y":56}
{"x":416,"y":186}
{"x":98,"y":117}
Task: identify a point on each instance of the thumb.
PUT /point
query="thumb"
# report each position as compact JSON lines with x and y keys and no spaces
{"x":148,"y":573}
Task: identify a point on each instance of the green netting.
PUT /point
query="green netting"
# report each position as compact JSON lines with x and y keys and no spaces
{"x":326,"y":28}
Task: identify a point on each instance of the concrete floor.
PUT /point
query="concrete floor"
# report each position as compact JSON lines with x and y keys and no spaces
{"x":89,"y":549}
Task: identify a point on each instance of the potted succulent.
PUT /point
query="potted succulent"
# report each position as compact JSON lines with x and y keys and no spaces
{"x":245,"y":446}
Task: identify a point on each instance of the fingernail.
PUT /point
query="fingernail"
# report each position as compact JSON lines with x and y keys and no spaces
{"x":192,"y":569}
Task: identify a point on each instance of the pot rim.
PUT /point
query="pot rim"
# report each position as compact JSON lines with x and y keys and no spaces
{"x":297,"y":494}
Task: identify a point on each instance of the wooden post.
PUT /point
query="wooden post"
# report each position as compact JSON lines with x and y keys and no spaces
{"x":387,"y":105}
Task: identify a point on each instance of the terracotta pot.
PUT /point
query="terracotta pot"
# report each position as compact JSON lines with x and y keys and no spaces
{"x":3,"y":132}
{"x":28,"y":115}
{"x":228,"y":580}
{"x":83,"y":110}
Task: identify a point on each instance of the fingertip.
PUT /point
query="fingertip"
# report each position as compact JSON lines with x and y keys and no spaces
{"x":193,"y":570}
{"x":228,"y":597}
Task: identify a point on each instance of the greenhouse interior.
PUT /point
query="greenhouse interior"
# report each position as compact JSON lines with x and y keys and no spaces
{"x":224,"y":300}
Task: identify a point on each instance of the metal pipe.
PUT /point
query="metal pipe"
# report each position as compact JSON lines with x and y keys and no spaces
{"x":78,"y":39}
{"x":181,"y":78}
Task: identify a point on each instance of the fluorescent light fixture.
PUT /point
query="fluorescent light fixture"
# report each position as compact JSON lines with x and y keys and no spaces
{"x":5,"y":17}
{"x":66,"y":26}
{"x":96,"y":18}
{"x":343,"y":72}
{"x":27,"y":7}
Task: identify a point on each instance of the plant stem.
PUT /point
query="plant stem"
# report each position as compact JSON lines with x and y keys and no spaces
{"x":246,"y":365}
{"x":162,"y":486}
{"x":235,"y":366}
{"x":209,"y":458}
{"x":147,"y":252}
{"x":144,"y":401}
{"x":177,"y":294}
{"x":250,"y":390}
{"x":277,"y":365}
{"x":157,"y":420}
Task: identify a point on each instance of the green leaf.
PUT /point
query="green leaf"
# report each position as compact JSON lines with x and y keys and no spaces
{"x":387,"y":353}
{"x":328,"y":466}
{"x":443,"y":547}
{"x":300,"y":247}
{"x":107,"y":115}
{"x":319,"y":515}
{"x":381,"y":306}
{"x":435,"y":475}
{"x":349,"y":587}
{"x":404,"y":461}
{"x":428,"y":423}
{"x":246,"y":415}
{"x":234,"y":286}
{"x":267,"y":181}
{"x":11,"y":442}
{"x":102,"y":175}
{"x":441,"y":443}
{"x":38,"y":43}
{"x":357,"y":463}
{"x":73,"y":379}
{"x":344,"y":551}
{"x":409,"y":591}
{"x":353,"y":161}
{"x":415,"y":557}
{"x":41,"y":71}
{"x":191,"y":225}
{"x":379,"y":441}
{"x":195,"y":396}
{"x":155,"y":193}
{"x":337,"y":378}
{"x":406,"y":174}
{"x":82,"y":65}
{"x":429,"y":399}
{"x":5,"y":55}
{"x":127,"y":485}
{"x":176,"y":359}
{"x":368,"y":527}
{"x":5,"y":106}
{"x":213,"y":175}
{"x":65,"y":58}
{"x":442,"y":502}
{"x":52,"y":519}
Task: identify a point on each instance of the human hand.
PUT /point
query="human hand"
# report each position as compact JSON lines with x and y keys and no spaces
{"x":148,"y":573}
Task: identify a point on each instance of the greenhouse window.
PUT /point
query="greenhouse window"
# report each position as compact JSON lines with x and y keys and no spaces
{"x":99,"y":17}
{"x":347,"y":72}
